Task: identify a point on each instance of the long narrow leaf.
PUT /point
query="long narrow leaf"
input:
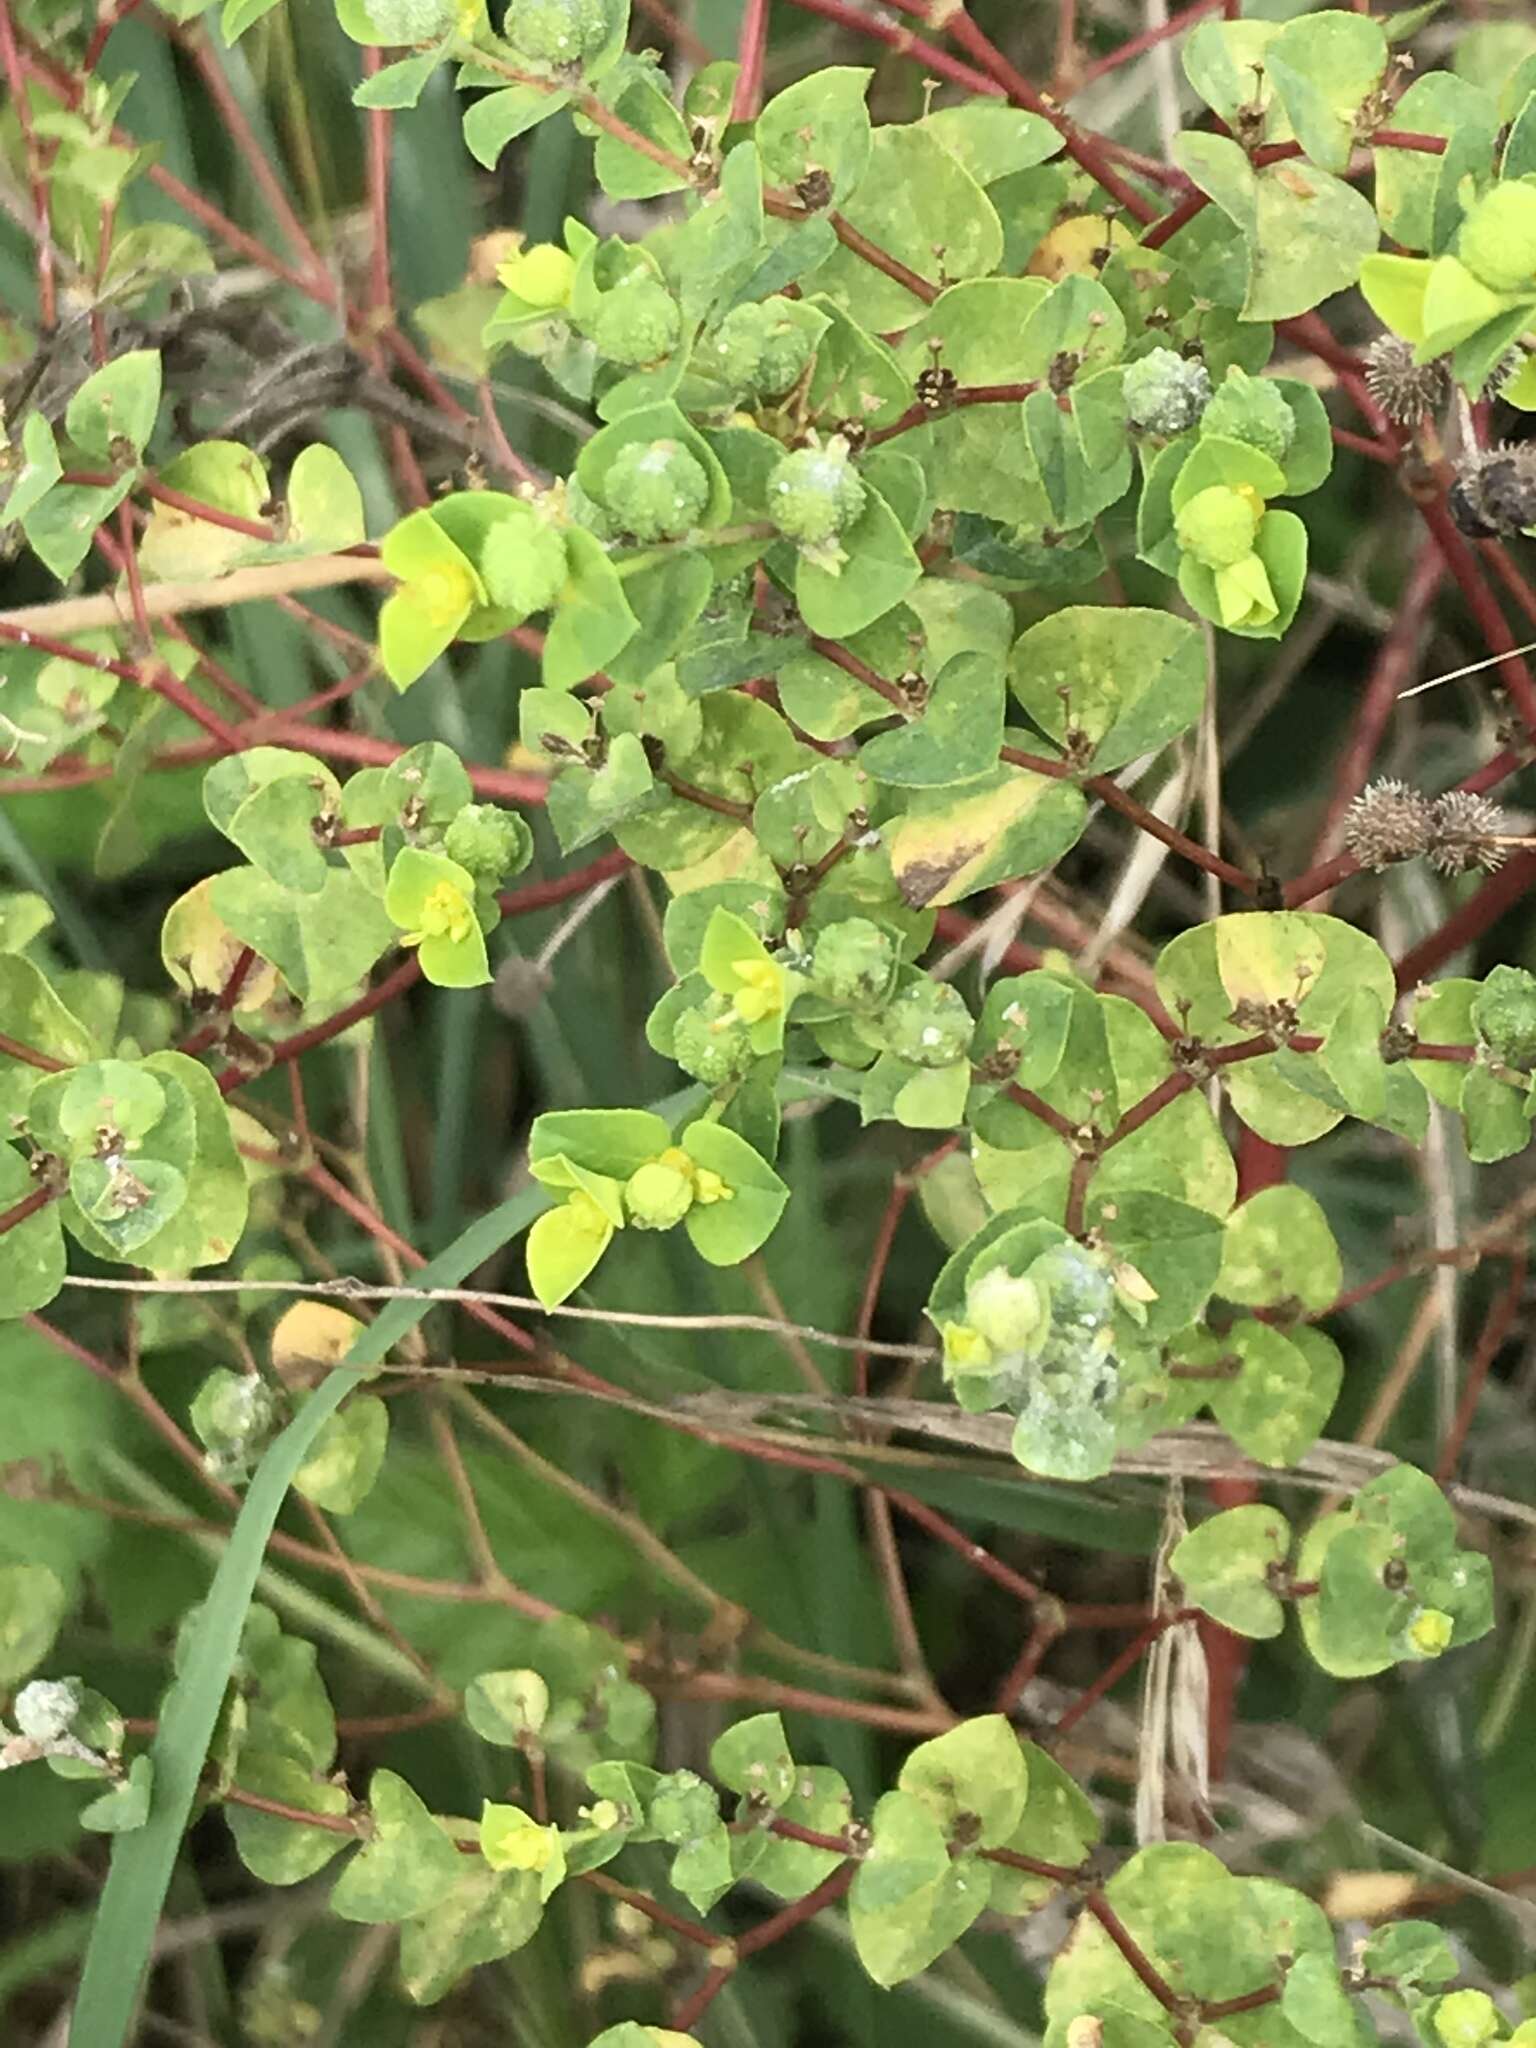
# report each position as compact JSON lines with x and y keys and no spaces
{"x":142,"y":1861}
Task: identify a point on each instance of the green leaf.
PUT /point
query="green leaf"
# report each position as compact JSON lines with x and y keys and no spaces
{"x":753,"y":1758}
{"x":1392,"y":1584}
{"x":1395,"y":288}
{"x":914,"y":199}
{"x":325,"y":506}
{"x":1284,"y":1390}
{"x":1222,"y":977}
{"x":32,"y":1014}
{"x":1307,"y":233}
{"x":1059,"y":1825}
{"x":400,"y":84}
{"x":627,"y":173}
{"x":277,"y":1850}
{"x":322,"y":945}
{"x":994,"y":141}
{"x":124,"y":1927}
{"x":1497,"y":1118}
{"x":488,"y":1914}
{"x":974,"y":1779}
{"x":907,"y":1904}
{"x":33,"y":1603}
{"x":592,"y":620}
{"x":1224,"y":62}
{"x":613,"y":1142}
{"x":491,"y":123}
{"x":1322,"y":68}
{"x":117,"y":403}
{"x":506,"y":1707}
{"x":60,"y":526}
{"x":406,"y":1865}
{"x":563,"y":1247}
{"x":1224,"y":1566}
{"x":40,"y":469}
{"x":729,"y":1229}
{"x":224,"y":474}
{"x":1174,"y":1247}
{"x":239,"y":15}
{"x":266,"y":800}
{"x":1279,"y":1248}
{"x":820,"y":123}
{"x":584,"y":803}
{"x":855,"y":374}
{"x":32,"y":1261}
{"x":879,"y":569}
{"x":126,"y":1807}
{"x":1412,"y":1952}
{"x":339,"y":1472}
{"x":1012,"y":822}
{"x":1109,"y":684}
{"x":957,"y":737}
{"x":1315,"y":2001}
{"x":819,"y":1801}
{"x":179,"y":1199}
{"x":1416,"y":193}
{"x":128,"y":1205}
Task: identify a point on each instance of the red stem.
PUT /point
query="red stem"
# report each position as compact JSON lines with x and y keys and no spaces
{"x":1467,"y":923}
{"x":1494,"y":1331}
{"x":1083,"y":148}
{"x":232,"y":118}
{"x":379,"y":128}
{"x":13,"y":1049}
{"x":29,"y":1205}
{"x":1120,"y":1935}
{"x":10,"y":63}
{"x":1463,"y":565}
{"x":1390,"y":673}
{"x":1148,"y":39}
{"x":939,"y":62}
{"x":751,"y":48}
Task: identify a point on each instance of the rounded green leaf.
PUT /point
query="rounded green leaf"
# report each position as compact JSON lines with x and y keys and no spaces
{"x":1279,"y":1248}
{"x":325,"y":506}
{"x":274,"y":1849}
{"x":1225,"y":1566}
{"x":1108,"y":683}
{"x":563,"y":1247}
{"x":974,"y":1779}
{"x":115,"y":407}
{"x":821,"y":124}
{"x":407,"y":1863}
{"x":1282,"y":1392}
{"x":33,"y":1602}
{"x":506,"y":1707}
{"x":32,"y":1259}
{"x":729,"y":1225}
{"x":340,"y":1471}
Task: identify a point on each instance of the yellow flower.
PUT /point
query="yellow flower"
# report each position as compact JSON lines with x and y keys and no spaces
{"x":446,"y":914}
{"x":1430,"y":1631}
{"x":965,"y":1349}
{"x":759,"y":991}
{"x":709,"y":1187}
{"x":445,"y":591}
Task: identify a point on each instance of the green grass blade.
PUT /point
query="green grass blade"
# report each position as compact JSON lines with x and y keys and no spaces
{"x":142,"y":1862}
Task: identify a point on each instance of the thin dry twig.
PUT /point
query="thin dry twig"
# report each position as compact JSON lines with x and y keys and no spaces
{"x":348,"y":1289}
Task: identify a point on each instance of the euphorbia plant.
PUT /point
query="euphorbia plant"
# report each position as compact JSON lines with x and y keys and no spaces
{"x":747,"y":629}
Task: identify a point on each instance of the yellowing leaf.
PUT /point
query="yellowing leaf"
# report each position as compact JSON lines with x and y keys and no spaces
{"x":310,"y":1338}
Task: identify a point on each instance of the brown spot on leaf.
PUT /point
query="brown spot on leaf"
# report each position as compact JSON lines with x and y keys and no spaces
{"x":923,"y":880}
